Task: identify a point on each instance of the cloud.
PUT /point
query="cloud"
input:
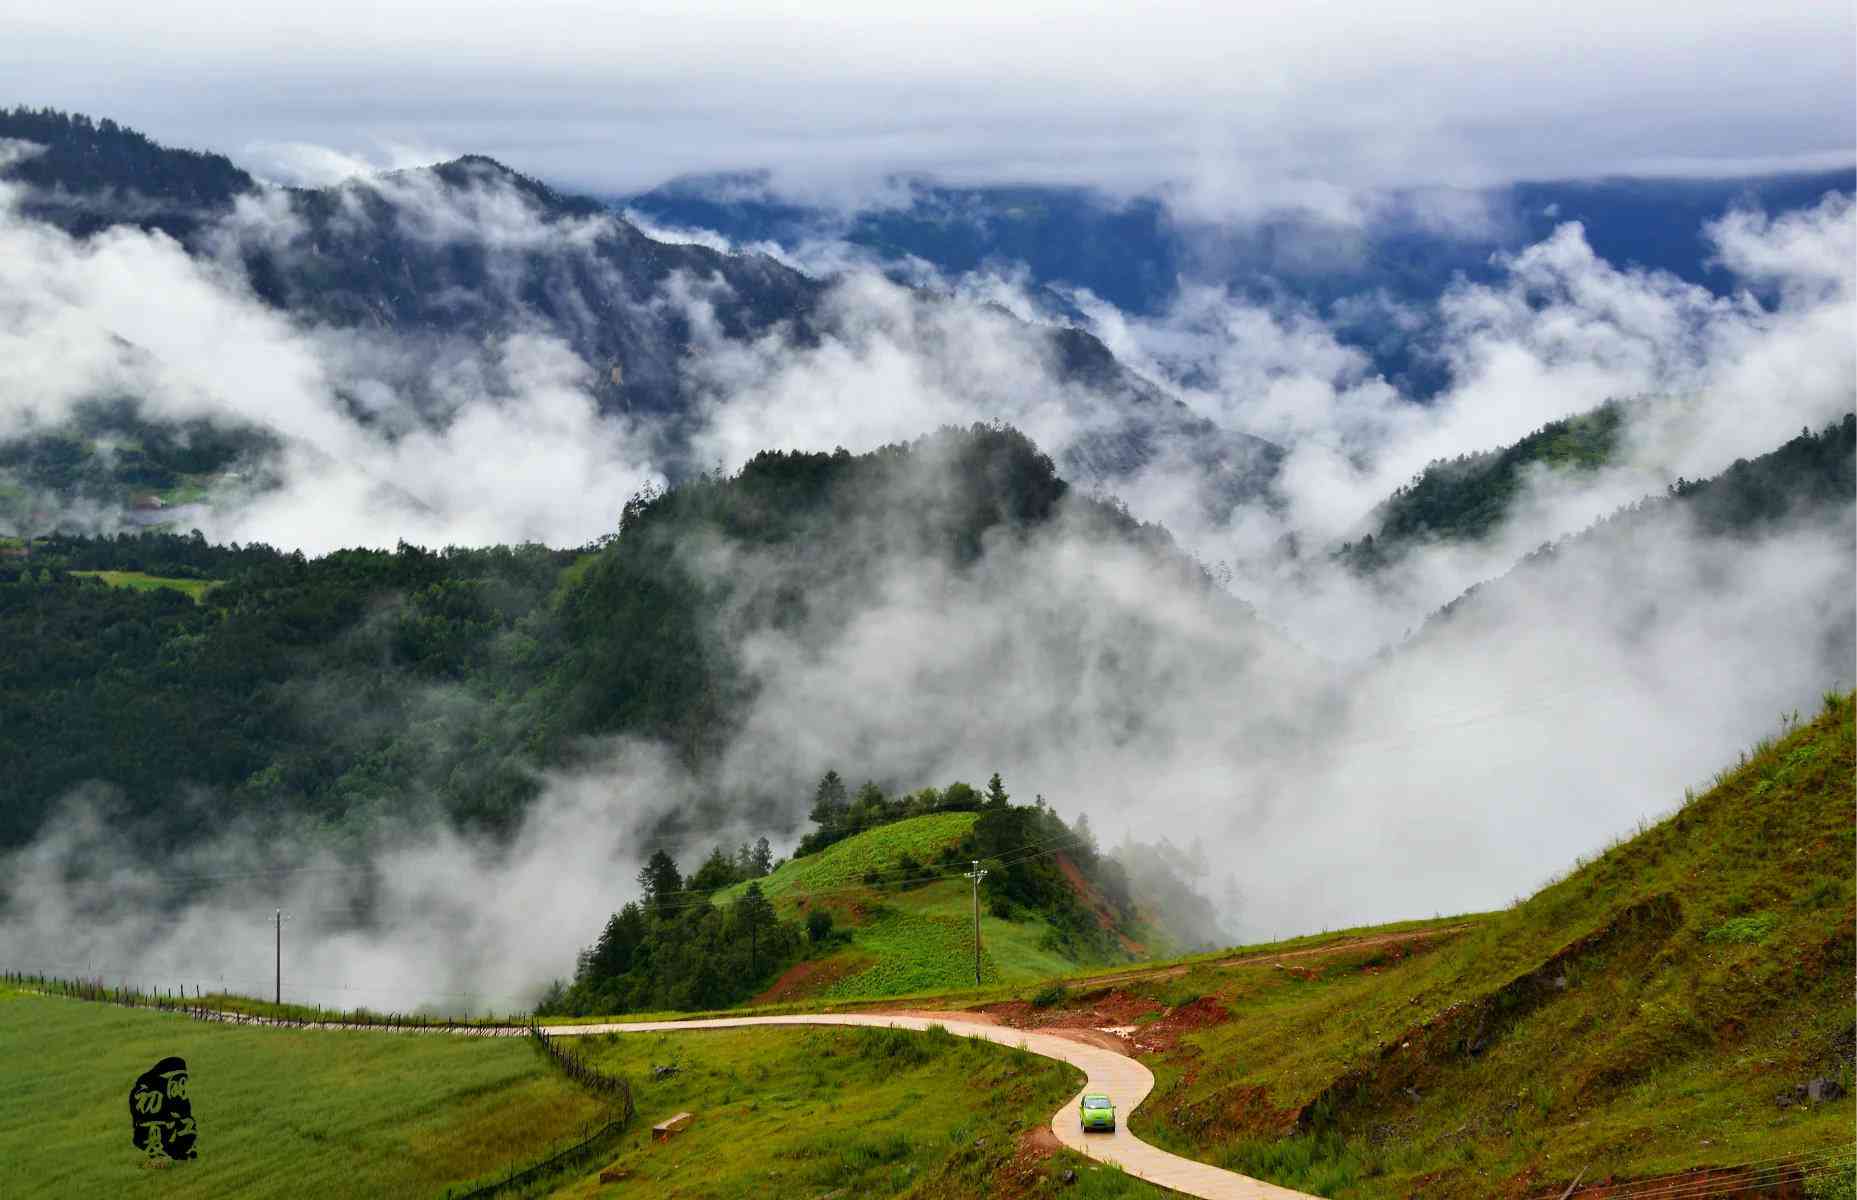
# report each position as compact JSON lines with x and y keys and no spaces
{"x":305,"y":164}
{"x":1335,"y":786}
{"x":1558,"y":332}
{"x":1244,"y":113}
{"x":430,"y":918}
{"x":468,"y":444}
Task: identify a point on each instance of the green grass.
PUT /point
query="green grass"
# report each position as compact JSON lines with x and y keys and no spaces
{"x":1637,"y":1017}
{"x":921,"y":936}
{"x":844,"y":864}
{"x":571,"y":576}
{"x":141,"y":582}
{"x":1016,"y":947}
{"x":280,"y":1112}
{"x":914,"y":953}
{"x":840,"y":1112}
{"x":191,"y":489}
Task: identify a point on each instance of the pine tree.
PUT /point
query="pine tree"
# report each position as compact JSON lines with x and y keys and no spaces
{"x":660,"y":881}
{"x":753,"y":911}
{"x":996,"y":792}
{"x":829,"y":803}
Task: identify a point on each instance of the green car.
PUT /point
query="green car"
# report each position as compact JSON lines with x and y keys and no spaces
{"x":1097,"y":1111}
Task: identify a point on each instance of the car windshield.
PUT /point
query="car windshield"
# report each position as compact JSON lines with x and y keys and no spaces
{"x":1096,"y":1102}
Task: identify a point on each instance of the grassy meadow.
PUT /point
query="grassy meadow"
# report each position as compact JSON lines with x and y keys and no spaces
{"x":280,"y":1112}
{"x":840,"y":1112}
{"x":905,"y":940}
{"x":141,"y":582}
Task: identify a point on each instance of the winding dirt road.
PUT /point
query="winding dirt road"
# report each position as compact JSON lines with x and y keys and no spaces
{"x":1122,"y":1078}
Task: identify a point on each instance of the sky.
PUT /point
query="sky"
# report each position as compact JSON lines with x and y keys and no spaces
{"x":1230,"y":108}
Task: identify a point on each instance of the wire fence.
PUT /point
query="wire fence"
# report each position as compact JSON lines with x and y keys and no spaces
{"x":614,"y":1089}
{"x":563,"y":1160}
{"x":288,"y":1016}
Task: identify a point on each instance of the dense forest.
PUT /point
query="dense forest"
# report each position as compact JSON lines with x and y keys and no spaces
{"x":89,"y":174}
{"x":370,"y":683}
{"x":1812,"y":477}
{"x":373,"y":683}
{"x":1464,"y":498}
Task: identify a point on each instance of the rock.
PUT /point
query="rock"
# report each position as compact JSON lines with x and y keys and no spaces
{"x":664,"y":1072}
{"x":1069,"y":1176}
{"x":1412,"y":1094}
{"x":980,"y":1143}
{"x":1821,"y":1090}
{"x":614,"y":1174}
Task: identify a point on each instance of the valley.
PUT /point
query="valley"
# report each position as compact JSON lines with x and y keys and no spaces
{"x":936,"y":602}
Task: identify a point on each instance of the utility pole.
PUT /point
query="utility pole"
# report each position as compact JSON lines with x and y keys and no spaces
{"x":278,"y":920}
{"x":976,"y":875}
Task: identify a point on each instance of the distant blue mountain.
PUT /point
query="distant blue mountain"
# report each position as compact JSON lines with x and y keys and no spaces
{"x":1135,"y":253}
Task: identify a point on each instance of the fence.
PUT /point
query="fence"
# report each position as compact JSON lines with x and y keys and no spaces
{"x":290,"y":1016}
{"x":612,"y":1088}
{"x":573,"y":1155}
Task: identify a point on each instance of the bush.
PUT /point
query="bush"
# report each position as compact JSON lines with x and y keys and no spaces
{"x":1051,"y":993}
{"x":818,"y":926}
{"x":1000,"y":907}
{"x":1753,"y":928}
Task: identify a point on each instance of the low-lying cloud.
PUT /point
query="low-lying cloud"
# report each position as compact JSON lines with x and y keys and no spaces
{"x":1331,"y":786}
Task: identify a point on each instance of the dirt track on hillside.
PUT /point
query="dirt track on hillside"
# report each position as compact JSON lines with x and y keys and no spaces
{"x":1238,"y":960}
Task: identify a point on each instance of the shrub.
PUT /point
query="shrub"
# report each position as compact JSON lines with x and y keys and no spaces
{"x":818,"y":926}
{"x":1051,"y":993}
{"x":1752,"y":928}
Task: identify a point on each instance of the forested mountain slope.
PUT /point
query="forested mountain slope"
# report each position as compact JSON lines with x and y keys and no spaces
{"x":445,"y":260}
{"x":875,"y":902}
{"x":1808,"y":483}
{"x":1467,"y":497}
{"x":368,"y":684}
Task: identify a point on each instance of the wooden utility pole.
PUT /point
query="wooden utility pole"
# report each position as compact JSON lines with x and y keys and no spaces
{"x":976,"y":875}
{"x":278,"y":918}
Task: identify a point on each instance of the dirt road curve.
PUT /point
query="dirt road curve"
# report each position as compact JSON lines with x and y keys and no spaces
{"x":1125,"y":1080}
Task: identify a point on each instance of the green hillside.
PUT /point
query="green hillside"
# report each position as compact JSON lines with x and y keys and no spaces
{"x":1464,"y":498}
{"x":280,"y":1112}
{"x":886,"y":911}
{"x":309,"y":687}
{"x":840,"y":1112}
{"x":847,"y":862}
{"x":1809,"y":478}
{"x":1659,"y":1010}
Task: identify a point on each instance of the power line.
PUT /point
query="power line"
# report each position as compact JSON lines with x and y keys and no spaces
{"x":51,"y":968}
{"x":1758,"y":1173}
